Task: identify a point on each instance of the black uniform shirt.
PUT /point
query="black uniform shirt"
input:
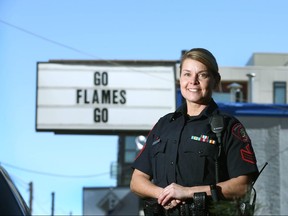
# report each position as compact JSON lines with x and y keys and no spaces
{"x":183,"y":149}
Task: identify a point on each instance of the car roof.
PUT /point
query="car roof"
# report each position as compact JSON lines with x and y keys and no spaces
{"x":12,"y":202}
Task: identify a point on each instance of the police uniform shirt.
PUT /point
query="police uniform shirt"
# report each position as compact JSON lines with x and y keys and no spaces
{"x":183,"y":149}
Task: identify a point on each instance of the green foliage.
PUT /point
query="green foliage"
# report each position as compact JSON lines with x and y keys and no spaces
{"x":236,"y":207}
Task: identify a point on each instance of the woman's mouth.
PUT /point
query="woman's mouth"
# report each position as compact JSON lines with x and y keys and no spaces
{"x":193,"y":90}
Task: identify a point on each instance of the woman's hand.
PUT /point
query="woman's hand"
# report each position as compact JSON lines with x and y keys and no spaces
{"x":173,"y":203}
{"x":172,"y":195}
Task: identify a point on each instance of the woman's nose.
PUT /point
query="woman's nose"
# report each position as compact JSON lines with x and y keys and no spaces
{"x":194,"y":79}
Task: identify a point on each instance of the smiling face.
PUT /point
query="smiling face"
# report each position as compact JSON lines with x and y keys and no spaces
{"x":196,"y":82}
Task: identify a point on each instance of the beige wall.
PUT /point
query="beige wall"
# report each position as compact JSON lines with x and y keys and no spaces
{"x":263,"y":81}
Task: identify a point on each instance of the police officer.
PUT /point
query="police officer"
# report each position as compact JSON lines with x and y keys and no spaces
{"x":179,"y":157}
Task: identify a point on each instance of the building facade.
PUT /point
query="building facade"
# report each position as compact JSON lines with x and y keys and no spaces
{"x":263,"y":80}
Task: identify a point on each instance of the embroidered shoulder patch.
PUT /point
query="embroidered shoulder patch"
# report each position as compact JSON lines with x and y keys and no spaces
{"x":248,"y":155}
{"x":240,"y":133}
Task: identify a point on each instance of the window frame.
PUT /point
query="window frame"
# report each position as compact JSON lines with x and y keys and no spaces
{"x":279,"y":85}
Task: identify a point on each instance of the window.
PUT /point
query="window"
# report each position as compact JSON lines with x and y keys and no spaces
{"x":130,"y":149}
{"x":279,"y":90}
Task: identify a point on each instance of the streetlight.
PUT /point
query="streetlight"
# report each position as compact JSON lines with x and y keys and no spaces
{"x":250,"y":86}
{"x":140,"y":141}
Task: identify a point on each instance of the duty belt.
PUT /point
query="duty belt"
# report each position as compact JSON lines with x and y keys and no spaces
{"x":198,"y":206}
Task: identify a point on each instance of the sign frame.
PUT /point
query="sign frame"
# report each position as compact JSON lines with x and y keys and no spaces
{"x":128,"y":84}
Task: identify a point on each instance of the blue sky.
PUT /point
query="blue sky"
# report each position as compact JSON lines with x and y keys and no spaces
{"x":33,"y":31}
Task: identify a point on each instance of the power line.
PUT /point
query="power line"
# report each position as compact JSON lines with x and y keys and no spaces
{"x":48,"y":40}
{"x":53,"y":174}
{"x":71,"y":48}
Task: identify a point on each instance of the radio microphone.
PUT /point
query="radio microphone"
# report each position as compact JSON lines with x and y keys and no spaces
{"x":217,"y":126}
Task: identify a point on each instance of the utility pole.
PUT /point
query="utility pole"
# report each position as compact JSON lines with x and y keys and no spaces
{"x":30,"y":196}
{"x":52,"y":207}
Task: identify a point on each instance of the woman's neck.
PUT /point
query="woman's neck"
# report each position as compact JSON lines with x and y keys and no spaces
{"x":194,"y":109}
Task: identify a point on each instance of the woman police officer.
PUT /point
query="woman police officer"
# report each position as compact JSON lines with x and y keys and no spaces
{"x":178,"y":159}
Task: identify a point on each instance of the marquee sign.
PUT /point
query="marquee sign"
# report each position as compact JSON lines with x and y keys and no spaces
{"x":103,"y":97}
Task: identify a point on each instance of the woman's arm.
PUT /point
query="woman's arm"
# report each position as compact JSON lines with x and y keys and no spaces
{"x":231,"y":189}
{"x":236,"y":187}
{"x":141,"y":185}
{"x":172,"y":194}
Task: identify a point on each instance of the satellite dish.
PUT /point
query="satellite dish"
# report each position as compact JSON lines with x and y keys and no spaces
{"x":140,"y":141}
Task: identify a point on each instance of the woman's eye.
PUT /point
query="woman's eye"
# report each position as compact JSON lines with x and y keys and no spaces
{"x":187,"y":74}
{"x":203,"y":75}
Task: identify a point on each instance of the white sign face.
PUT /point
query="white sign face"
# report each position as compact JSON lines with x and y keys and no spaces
{"x":103,"y":98}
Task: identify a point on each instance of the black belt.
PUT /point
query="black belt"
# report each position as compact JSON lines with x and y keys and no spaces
{"x":198,"y":206}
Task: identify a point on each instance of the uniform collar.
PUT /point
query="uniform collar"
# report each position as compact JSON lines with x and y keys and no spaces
{"x":208,"y":111}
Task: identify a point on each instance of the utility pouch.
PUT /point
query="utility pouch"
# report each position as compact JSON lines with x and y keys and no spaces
{"x":199,"y":205}
{"x":152,"y":208}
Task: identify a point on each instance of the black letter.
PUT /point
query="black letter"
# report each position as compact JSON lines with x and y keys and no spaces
{"x":115,"y":96}
{"x":104,"y":78}
{"x":97,"y":81}
{"x":96,"y":115}
{"x":78,"y":96}
{"x":123,"y":96}
{"x":85,"y":96}
{"x":105,"y":97}
{"x":105,"y":115}
{"x":95,"y":97}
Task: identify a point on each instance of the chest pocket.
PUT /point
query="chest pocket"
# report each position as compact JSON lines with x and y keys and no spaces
{"x":200,"y":148}
{"x":198,"y":160}
{"x":158,"y":159}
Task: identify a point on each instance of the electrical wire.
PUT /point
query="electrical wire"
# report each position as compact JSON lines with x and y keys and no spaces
{"x":53,"y":174}
{"x":47,"y":39}
{"x":19,"y":181}
{"x":74,"y":49}
{"x":54,"y":42}
{"x":94,"y":175}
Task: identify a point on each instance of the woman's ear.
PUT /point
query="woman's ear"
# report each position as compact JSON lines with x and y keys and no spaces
{"x":217,"y":85}
{"x":217,"y":82}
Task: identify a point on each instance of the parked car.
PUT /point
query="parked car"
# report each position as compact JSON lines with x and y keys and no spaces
{"x":11,"y":201}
